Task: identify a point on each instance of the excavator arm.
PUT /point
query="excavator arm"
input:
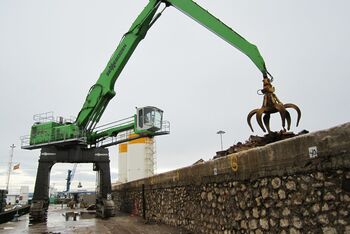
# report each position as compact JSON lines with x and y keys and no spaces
{"x":103,"y":91}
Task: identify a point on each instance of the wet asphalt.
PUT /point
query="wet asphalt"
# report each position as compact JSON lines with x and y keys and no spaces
{"x":65,"y":220}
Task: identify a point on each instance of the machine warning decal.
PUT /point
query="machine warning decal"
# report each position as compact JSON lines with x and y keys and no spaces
{"x":234,"y":163}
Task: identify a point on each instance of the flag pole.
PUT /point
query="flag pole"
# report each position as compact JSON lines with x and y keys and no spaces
{"x":10,"y":167}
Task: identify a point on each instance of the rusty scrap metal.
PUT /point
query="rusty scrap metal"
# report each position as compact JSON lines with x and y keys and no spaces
{"x":258,"y":141}
{"x":271,"y":104}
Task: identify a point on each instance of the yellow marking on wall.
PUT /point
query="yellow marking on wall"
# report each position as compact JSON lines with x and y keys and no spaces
{"x":234,"y":163}
{"x":123,"y":148}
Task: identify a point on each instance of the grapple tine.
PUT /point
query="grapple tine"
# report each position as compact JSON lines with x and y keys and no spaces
{"x":266,"y":119}
{"x":282,"y":112}
{"x":288,"y":119}
{"x":259,"y":118}
{"x":250,"y":115}
{"x":296,"y":108}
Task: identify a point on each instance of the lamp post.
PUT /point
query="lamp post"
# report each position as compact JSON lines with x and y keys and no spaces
{"x":220,"y":133}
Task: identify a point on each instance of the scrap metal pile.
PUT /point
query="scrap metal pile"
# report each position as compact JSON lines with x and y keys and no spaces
{"x":257,"y":141}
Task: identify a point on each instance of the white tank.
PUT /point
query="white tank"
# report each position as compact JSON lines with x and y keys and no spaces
{"x":136,"y":159}
{"x":122,"y":162}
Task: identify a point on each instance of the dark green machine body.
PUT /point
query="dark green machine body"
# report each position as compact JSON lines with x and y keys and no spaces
{"x":52,"y":131}
{"x":146,"y":122}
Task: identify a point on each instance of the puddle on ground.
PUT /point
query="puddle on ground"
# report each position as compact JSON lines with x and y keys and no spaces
{"x":8,"y":228}
{"x":76,"y":216}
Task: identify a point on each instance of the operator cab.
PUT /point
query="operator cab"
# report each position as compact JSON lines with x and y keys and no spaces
{"x":149,"y":118}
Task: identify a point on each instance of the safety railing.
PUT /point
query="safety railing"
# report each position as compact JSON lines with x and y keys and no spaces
{"x":165,"y":127}
{"x":44,"y":117}
{"x":25,"y":141}
{"x":52,"y":138}
{"x":121,"y":137}
{"x":114,"y":124}
{"x":49,"y":117}
{"x":124,"y":136}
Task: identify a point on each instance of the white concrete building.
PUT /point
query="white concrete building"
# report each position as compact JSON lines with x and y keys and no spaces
{"x":20,"y":195}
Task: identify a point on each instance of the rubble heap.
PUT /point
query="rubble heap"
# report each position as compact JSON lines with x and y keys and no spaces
{"x":257,"y":141}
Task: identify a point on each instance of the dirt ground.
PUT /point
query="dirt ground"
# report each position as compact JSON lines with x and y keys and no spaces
{"x":57,"y":223}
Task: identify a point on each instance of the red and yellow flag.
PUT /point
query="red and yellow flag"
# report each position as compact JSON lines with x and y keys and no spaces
{"x":16,"y":166}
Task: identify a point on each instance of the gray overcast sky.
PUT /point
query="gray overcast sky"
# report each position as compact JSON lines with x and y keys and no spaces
{"x":51,"y":52}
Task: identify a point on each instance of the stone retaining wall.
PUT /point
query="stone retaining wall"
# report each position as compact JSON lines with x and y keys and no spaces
{"x":300,"y":185}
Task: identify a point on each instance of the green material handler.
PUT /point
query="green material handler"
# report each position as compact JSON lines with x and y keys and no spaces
{"x":83,"y":129}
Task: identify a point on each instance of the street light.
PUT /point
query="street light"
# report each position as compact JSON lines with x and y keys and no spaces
{"x":220,"y":133}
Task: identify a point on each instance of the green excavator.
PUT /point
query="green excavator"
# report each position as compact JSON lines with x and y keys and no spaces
{"x":83,"y":129}
{"x":79,"y":141}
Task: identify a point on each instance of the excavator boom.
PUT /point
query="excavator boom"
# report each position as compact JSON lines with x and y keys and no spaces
{"x":103,"y":91}
{"x":212,"y":23}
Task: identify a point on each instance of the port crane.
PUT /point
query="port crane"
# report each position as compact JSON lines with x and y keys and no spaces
{"x":70,"y":177}
{"x":82,"y":141}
